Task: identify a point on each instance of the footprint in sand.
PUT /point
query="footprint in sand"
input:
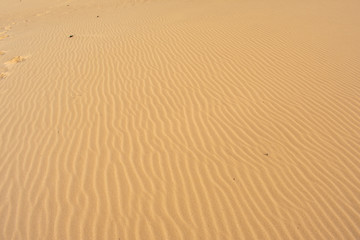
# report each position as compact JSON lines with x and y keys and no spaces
{"x":16,"y":60}
{"x":8,"y":65}
{"x":3,"y":36}
{"x":3,"y":71}
{"x":3,"y":75}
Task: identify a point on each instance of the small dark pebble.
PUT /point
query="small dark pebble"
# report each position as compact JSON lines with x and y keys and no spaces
{"x":71,"y":36}
{"x":266,"y":154}
{"x":97,"y":16}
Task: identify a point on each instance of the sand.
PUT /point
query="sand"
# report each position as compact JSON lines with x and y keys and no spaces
{"x":179,"y":119}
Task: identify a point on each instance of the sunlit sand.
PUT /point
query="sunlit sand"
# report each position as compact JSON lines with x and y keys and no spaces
{"x":179,"y":119}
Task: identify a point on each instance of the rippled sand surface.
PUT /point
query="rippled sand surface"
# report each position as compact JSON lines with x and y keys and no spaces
{"x":179,"y":119}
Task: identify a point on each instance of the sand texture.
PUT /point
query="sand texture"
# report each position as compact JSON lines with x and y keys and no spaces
{"x":179,"y":119}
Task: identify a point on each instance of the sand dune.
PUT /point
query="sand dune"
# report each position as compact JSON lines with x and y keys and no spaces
{"x":179,"y":119}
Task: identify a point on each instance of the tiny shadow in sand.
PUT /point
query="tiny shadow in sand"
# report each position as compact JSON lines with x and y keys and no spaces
{"x":97,"y":16}
{"x":71,"y":36}
{"x":266,"y":154}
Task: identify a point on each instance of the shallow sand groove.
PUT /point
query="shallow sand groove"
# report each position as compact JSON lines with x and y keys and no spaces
{"x":180,"y":120}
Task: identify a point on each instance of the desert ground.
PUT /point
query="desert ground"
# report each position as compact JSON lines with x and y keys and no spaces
{"x":179,"y":119}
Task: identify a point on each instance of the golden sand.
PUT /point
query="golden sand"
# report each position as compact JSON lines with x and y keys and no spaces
{"x":174,"y":119}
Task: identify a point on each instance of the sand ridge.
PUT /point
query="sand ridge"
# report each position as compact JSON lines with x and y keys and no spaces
{"x":179,"y":120}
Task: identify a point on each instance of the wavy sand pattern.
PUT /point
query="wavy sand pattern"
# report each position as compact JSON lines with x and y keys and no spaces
{"x":180,"y":120}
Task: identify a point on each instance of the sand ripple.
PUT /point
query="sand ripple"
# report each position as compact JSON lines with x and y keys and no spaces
{"x":180,"y":120}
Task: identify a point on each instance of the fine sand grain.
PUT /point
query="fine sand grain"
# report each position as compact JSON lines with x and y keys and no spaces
{"x":178,"y":119}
